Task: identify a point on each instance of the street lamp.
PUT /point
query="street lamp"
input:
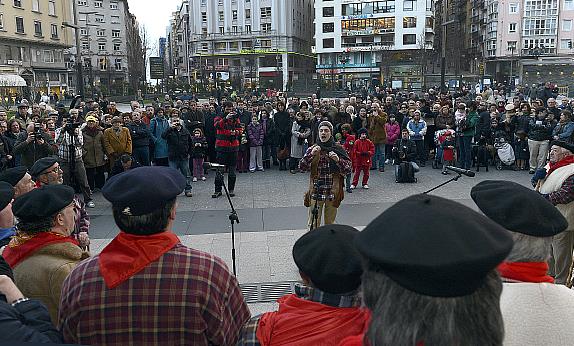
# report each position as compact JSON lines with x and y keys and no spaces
{"x":344,"y":60}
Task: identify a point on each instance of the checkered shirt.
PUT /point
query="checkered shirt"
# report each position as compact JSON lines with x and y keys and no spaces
{"x":325,"y":168}
{"x":186,"y":297}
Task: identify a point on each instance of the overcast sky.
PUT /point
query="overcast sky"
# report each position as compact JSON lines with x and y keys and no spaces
{"x":154,"y":15}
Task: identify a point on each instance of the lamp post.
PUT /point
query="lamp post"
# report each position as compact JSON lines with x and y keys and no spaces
{"x":344,"y":60}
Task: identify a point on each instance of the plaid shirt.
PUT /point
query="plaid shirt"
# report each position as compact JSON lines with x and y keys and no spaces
{"x":249,"y":334}
{"x":186,"y":297}
{"x":326,"y":168}
{"x":564,"y":195}
{"x":63,"y":140}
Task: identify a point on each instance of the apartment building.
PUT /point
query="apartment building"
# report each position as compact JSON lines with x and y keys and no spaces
{"x":33,"y":43}
{"x":364,"y":43}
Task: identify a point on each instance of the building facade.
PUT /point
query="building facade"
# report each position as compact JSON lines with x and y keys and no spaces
{"x":33,"y":43}
{"x":365,"y":43}
{"x":252,"y":44}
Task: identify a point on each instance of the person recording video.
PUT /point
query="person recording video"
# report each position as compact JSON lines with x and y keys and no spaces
{"x":33,"y":144}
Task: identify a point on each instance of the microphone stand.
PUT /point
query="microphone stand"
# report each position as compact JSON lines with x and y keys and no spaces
{"x":233,"y":218}
{"x":443,"y":184}
{"x":315,"y":210}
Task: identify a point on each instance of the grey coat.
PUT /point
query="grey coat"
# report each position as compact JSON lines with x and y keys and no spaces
{"x":298,"y":150}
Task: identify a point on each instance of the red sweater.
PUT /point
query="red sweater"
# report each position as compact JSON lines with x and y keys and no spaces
{"x":224,"y":140}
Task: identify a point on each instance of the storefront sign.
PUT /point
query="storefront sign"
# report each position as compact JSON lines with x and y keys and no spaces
{"x":366,"y":49}
{"x":262,"y":51}
{"x":346,"y":66}
{"x":360,"y":16}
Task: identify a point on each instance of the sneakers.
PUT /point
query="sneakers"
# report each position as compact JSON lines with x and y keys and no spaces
{"x":188,"y":194}
{"x":194,"y":179}
{"x":202,"y":178}
{"x":387,"y":161}
{"x":216,"y":194}
{"x":366,"y":187}
{"x":349,"y":190}
{"x":352,"y":186}
{"x":90,"y":204}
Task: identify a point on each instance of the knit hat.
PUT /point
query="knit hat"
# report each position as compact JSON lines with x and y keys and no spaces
{"x":362,"y":130}
{"x":326,"y":123}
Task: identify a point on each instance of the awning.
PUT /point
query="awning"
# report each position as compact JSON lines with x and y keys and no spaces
{"x":11,"y":80}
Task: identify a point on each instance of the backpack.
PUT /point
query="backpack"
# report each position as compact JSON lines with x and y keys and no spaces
{"x":405,"y":173}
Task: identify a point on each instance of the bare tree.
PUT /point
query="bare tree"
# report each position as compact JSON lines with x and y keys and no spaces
{"x":424,"y":48}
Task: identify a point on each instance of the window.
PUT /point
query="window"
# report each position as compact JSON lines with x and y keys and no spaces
{"x":103,"y":63}
{"x":97,"y":4}
{"x":52,"y":7}
{"x":37,"y":28}
{"x":204,"y":17}
{"x":513,"y":8}
{"x":113,"y":5}
{"x":18,"y":3}
{"x":409,"y":39}
{"x":328,"y":12}
{"x":118,"y":64}
{"x":221,"y":16}
{"x":20,"y":25}
{"x":265,"y":27}
{"x":248,"y":13}
{"x":410,"y":5}
{"x":221,"y":30}
{"x":115,"y":33}
{"x":248,"y":29}
{"x":566,"y":44}
{"x":429,"y":22}
{"x":204,"y":31}
{"x":234,"y":14}
{"x":117,"y":46}
{"x":569,"y":5}
{"x":99,"y":18}
{"x":329,"y":43}
{"x":512,"y":28}
{"x":234,"y":29}
{"x":49,"y":56}
{"x":84,"y":32}
{"x":54,"y":30}
{"x":328,"y":27}
{"x":409,"y":22}
{"x":101,"y":46}
{"x":265,"y":12}
{"x":83,"y":2}
{"x":101,"y":32}
{"x":566,"y":24}
{"x":115,"y":19}
{"x":511,"y":46}
{"x":265,"y":43}
{"x":86,"y":45}
{"x":36,"y":5}
{"x":1,"y":21}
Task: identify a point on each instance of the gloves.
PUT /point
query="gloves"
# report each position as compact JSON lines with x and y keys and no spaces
{"x":538,"y":175}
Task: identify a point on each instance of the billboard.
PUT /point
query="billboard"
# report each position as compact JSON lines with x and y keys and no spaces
{"x":156,"y":68}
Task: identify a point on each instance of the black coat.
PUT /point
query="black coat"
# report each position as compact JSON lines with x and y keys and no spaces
{"x":408,"y":147}
{"x":27,"y":322}
{"x":193,"y":120}
{"x":178,"y":143}
{"x":283,"y":123}
{"x":141,"y":135}
{"x":270,"y":132}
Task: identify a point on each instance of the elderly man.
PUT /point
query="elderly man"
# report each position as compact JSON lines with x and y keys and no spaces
{"x":329,"y":164}
{"x":530,"y":302}
{"x":117,"y":141}
{"x":19,"y":178}
{"x":146,"y":285}
{"x":556,"y":184}
{"x":432,"y":282}
{"x":327,"y":307}
{"x":33,"y":144}
{"x":141,"y":138}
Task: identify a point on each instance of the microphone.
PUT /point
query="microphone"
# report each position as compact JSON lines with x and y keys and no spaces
{"x":214,"y":166}
{"x":466,"y":172}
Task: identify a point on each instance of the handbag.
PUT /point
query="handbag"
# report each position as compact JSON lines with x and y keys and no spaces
{"x":283,"y":154}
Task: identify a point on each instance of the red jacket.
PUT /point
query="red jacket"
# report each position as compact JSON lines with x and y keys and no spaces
{"x":349,"y":145}
{"x":224,"y":140}
{"x":363,"y":152}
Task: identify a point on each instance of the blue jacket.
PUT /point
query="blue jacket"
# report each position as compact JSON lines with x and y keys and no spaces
{"x":417,"y":130}
{"x":564,"y":131}
{"x":157,"y":127}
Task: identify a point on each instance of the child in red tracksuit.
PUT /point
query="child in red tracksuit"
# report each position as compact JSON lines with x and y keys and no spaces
{"x":363,"y":151}
{"x":348,"y":142}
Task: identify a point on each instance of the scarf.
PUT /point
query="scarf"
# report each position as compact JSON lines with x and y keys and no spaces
{"x":330,"y":145}
{"x":525,"y":272}
{"x":564,"y":162}
{"x":128,"y":254}
{"x":24,"y":245}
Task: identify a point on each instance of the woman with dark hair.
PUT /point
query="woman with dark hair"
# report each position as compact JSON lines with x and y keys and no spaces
{"x":12,"y":134}
{"x":283,"y":123}
{"x":465,"y":121}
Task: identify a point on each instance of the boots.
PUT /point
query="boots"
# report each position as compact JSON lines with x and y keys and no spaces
{"x":282,"y":165}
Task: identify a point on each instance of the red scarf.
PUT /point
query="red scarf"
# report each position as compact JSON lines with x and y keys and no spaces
{"x":564,"y":162}
{"x":302,"y":322}
{"x":23,"y":245}
{"x":128,"y":254}
{"x":525,"y":272}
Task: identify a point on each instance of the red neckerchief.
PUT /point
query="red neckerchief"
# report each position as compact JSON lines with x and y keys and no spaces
{"x":564,"y":162}
{"x":525,"y":272}
{"x":23,"y":245}
{"x":127,"y":254}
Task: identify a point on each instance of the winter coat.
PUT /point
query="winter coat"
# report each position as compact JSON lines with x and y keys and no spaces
{"x":363,"y":151}
{"x":442,"y":121}
{"x":225,"y":142}
{"x":27,"y":322}
{"x":118,"y":144}
{"x":283,"y":123}
{"x":448,"y":153}
{"x":270,"y":132}
{"x":407,"y":146}
{"x":417,"y":130}
{"x":539,"y":131}
{"x":469,"y":120}
{"x":255,"y":134}
{"x":563,"y":131}
{"x":377,"y":132}
{"x":393,"y":132}
{"x":198,"y":151}
{"x":178,"y":143}
{"x":94,"y":149}
{"x":298,"y":147}
{"x":359,"y":123}
{"x":522,"y":122}
{"x":193,"y":120}
{"x":349,"y":143}
{"x":32,"y":152}
{"x":141,"y":135}
{"x":157,"y":127}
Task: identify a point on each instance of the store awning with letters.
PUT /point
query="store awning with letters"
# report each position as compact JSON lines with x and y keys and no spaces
{"x":11,"y":80}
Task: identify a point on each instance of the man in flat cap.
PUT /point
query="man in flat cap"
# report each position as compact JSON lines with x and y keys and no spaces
{"x":42,"y":253}
{"x":432,"y":283}
{"x":326,"y":308}
{"x":7,"y":228}
{"x":117,"y":141}
{"x":556,"y":183}
{"x":329,"y":164}
{"x":529,"y":296}
{"x":19,"y":178}
{"x":146,"y":285}
{"x":47,"y":171}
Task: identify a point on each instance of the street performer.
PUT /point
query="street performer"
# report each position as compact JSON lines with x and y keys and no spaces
{"x":556,"y":183}
{"x":228,"y":132}
{"x":329,"y":164}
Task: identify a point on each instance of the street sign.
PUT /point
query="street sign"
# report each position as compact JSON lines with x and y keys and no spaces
{"x":156,"y":68}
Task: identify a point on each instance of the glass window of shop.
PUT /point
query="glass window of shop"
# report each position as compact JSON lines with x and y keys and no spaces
{"x":374,"y":7}
{"x":382,"y":24}
{"x":409,"y":22}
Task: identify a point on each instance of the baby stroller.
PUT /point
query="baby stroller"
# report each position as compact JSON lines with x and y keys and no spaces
{"x":504,"y":152}
{"x":439,"y":138}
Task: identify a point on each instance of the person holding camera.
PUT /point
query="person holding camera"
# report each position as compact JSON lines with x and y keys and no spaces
{"x":70,"y":143}
{"x":405,"y":150}
{"x":33,"y":144}
{"x":228,"y":132}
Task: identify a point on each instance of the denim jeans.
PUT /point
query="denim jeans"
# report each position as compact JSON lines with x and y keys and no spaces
{"x":465,"y":151}
{"x":141,"y":155}
{"x":182,"y":165}
{"x":379,"y":156}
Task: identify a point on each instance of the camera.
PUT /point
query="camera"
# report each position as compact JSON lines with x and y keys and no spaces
{"x":37,"y":130}
{"x":70,"y":127}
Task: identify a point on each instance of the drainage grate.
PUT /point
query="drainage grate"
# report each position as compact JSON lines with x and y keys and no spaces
{"x":266,"y":292}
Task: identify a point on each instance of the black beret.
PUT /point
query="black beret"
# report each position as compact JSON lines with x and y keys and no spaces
{"x":434,"y":246}
{"x":329,"y":258}
{"x":6,"y":194}
{"x":41,"y":165}
{"x":566,"y":145}
{"x":13,"y":175}
{"x":43,"y":202}
{"x":518,"y":209}
{"x":143,"y":190}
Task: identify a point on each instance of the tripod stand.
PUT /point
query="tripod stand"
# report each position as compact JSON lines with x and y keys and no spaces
{"x":315,"y":210}
{"x":443,"y":184}
{"x":233,"y":218}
